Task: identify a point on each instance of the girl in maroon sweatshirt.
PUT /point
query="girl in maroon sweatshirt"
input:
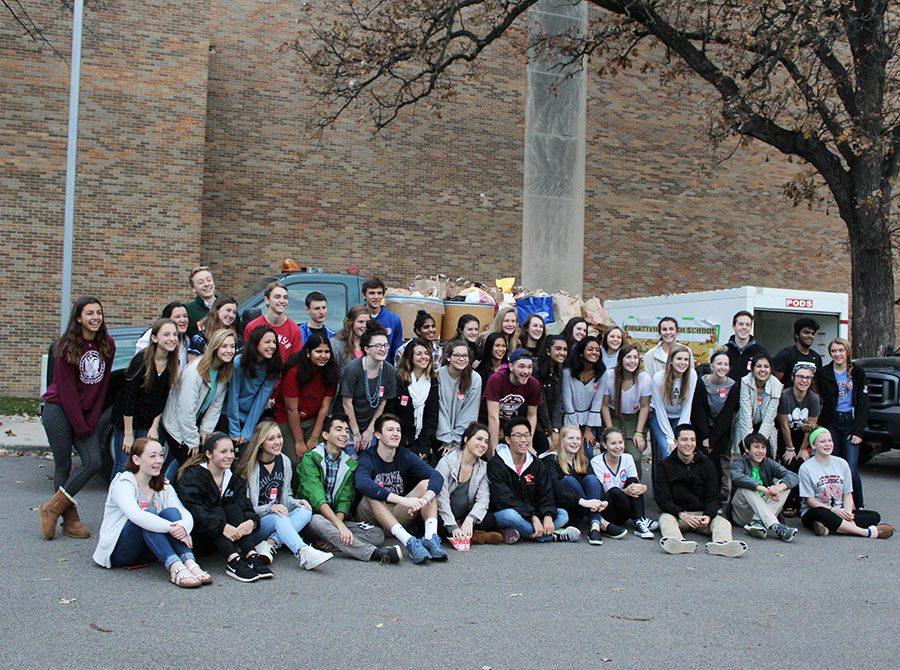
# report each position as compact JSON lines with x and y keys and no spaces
{"x":82,"y":360}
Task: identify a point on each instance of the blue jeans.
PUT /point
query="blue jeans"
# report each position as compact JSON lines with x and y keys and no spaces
{"x":660,"y":442}
{"x":137,"y":545}
{"x":121,"y":457}
{"x":843,"y":447}
{"x":510,"y":518}
{"x":589,"y":487}
{"x":285,"y":530}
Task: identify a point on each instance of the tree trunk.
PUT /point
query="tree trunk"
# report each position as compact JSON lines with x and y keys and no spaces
{"x":872,"y":283}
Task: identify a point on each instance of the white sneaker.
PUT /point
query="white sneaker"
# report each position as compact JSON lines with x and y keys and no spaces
{"x":266,"y":549}
{"x":642,"y":528}
{"x":311,"y":558}
{"x":654,"y":526}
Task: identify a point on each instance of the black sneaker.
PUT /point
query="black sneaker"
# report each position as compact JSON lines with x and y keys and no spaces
{"x":240,"y":570}
{"x":595,"y":537}
{"x":614,"y":531}
{"x":258,"y":564}
{"x":389,"y":554}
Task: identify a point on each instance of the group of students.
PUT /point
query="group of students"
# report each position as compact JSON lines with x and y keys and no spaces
{"x":293,"y":435}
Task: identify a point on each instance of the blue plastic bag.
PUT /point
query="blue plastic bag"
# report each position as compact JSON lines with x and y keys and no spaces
{"x":542,"y":306}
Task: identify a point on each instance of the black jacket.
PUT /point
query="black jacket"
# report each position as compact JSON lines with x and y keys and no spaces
{"x":402,"y":406}
{"x":530,"y":494}
{"x":828,"y":392}
{"x":565,"y":497}
{"x":688,"y":487}
{"x":550,"y":412}
{"x":719,"y":433}
{"x":199,"y":493}
{"x":739,"y":361}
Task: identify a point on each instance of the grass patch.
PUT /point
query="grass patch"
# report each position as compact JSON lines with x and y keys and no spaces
{"x":26,"y":406}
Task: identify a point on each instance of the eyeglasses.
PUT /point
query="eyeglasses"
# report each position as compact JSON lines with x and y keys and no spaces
{"x":805,"y":378}
{"x":459,"y":356}
{"x":520,"y":436}
{"x":378,"y":346}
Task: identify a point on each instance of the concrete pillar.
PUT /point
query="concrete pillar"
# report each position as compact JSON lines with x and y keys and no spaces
{"x":553,"y":207}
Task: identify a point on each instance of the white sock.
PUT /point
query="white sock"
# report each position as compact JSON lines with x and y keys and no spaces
{"x":400,"y":533}
{"x":430,"y":528}
{"x":873,"y":532}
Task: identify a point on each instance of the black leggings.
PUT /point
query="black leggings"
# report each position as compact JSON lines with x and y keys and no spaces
{"x":207,"y":544}
{"x":622,"y":506}
{"x":862,"y":518}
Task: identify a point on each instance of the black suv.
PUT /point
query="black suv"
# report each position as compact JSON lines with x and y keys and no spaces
{"x":883,"y":381}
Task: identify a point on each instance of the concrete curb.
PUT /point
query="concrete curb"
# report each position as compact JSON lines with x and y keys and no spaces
{"x":22,"y":433}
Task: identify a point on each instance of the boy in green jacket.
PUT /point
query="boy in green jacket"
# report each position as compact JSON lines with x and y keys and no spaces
{"x":326,"y":480}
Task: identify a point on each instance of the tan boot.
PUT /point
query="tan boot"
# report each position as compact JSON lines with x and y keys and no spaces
{"x":72,"y":525}
{"x":51,"y":510}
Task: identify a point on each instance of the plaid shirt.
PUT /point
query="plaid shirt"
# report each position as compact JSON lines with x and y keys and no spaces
{"x":331,"y":471}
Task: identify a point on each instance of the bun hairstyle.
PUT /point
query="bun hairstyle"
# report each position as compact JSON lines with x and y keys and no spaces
{"x":373,"y":328}
{"x":422,"y":317}
{"x":721,"y":351}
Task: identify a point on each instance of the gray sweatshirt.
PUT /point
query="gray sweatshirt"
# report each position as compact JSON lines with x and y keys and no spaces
{"x":455,"y":410}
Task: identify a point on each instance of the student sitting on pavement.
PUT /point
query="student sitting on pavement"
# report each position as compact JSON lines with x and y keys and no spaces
{"x":465,"y":496}
{"x":622,"y":489}
{"x":522,"y":489}
{"x":760,"y":487}
{"x":143,"y":519}
{"x":398,"y":488}
{"x":826,"y":495}
{"x":326,"y":475}
{"x":687,"y":493}
{"x":224,"y":519}
{"x":267,"y":472}
{"x":576,"y":487}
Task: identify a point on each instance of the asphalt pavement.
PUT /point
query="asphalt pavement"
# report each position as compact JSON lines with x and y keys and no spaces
{"x":818,"y":602}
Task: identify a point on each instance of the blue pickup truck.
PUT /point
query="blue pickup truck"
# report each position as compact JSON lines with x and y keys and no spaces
{"x":343,"y":291}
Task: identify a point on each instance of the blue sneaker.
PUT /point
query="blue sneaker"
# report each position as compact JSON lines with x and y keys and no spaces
{"x":417,"y":553}
{"x":434,"y":548}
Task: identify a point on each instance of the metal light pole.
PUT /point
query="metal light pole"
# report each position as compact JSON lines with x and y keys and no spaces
{"x":65,"y":298}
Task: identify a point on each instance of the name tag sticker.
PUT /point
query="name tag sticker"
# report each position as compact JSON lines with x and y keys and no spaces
{"x":404,"y":400}
{"x":380,"y":391}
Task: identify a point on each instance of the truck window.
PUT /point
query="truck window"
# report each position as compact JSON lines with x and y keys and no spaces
{"x":336,"y":294}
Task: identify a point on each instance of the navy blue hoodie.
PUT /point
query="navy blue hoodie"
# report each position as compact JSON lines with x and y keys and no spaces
{"x":377,"y":478}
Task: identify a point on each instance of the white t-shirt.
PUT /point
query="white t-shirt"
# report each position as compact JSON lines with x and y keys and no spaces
{"x":613,"y":479}
{"x":827,"y":484}
{"x":631,"y":399}
{"x":610,"y":360}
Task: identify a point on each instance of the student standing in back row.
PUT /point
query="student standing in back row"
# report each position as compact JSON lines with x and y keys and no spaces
{"x":275,"y":317}
{"x":82,"y":361}
{"x":742,"y":346}
{"x":373,"y":291}
{"x":805,"y":330}
{"x":317,"y":308}
{"x":201,"y":282}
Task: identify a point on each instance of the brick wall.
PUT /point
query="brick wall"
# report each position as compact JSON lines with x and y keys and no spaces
{"x":405,"y":202}
{"x":141,"y":141}
{"x":194,"y":146}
